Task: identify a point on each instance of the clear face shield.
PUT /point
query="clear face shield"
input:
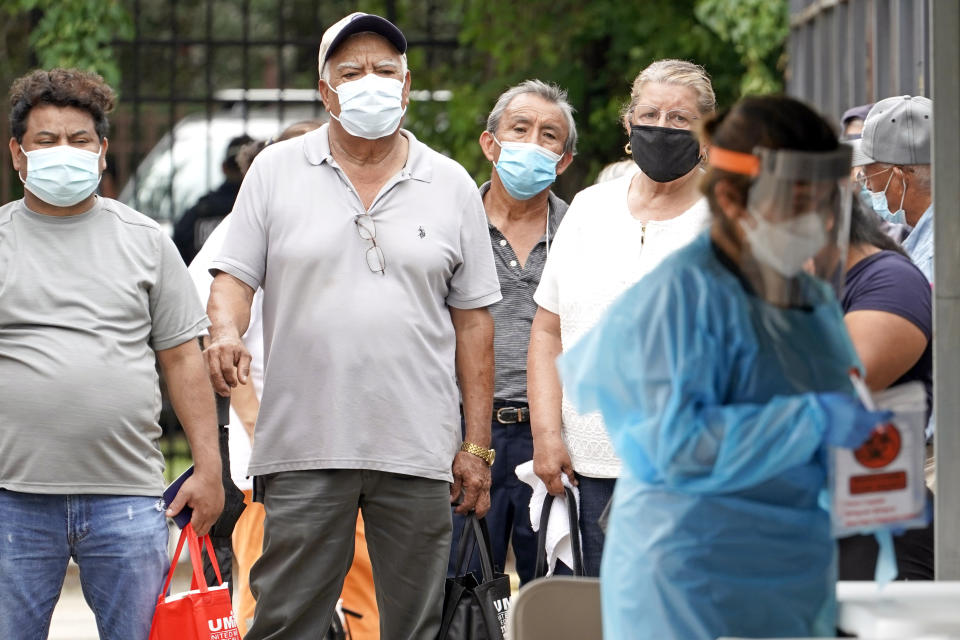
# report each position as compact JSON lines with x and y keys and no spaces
{"x":797,"y":223}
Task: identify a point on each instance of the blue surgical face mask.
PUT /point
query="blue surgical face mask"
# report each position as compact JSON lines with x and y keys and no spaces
{"x":866,"y":198}
{"x":525,"y":169}
{"x":370,"y":107}
{"x":62,"y":175}
{"x":879,"y":203}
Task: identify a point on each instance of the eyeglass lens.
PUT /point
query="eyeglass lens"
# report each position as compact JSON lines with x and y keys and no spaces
{"x":368,"y":231}
{"x":675,"y":118}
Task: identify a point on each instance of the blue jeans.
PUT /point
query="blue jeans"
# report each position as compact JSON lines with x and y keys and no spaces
{"x":119,"y":543}
{"x":509,"y":515}
{"x":595,"y":493}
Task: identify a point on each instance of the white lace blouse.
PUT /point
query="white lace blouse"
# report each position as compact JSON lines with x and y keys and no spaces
{"x":600,"y":250}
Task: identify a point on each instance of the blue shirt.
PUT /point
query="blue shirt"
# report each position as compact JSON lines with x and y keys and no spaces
{"x":919,"y":244}
{"x":887,"y":281}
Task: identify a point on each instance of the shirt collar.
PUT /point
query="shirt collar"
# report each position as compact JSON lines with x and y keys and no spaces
{"x":926,"y":219}
{"x":316,"y":147}
{"x":553,"y":209}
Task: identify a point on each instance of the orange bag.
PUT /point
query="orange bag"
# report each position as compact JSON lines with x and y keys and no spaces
{"x":203,"y":613}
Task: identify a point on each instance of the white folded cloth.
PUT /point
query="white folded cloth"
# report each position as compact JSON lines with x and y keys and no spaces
{"x":558,"y":543}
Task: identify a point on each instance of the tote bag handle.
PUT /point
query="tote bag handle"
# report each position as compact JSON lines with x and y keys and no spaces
{"x":475,"y":531}
{"x":541,"y":568}
{"x":198,"y":581}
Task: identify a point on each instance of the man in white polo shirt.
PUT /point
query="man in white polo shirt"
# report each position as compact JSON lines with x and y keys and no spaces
{"x":376,"y":268}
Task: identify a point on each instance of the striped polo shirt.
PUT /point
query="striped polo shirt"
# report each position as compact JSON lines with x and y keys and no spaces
{"x":513,"y":315}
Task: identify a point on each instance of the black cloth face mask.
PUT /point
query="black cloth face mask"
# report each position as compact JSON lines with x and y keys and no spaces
{"x":662,"y":153}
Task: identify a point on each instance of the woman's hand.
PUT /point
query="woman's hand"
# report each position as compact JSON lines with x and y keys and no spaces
{"x":550,"y":461}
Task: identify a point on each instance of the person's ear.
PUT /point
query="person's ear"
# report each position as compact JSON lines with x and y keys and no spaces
{"x":405,"y":100}
{"x":565,"y":161}
{"x":906,"y":174}
{"x":489,"y":146}
{"x":326,"y":93}
{"x":16,"y":156}
{"x":104,"y":144}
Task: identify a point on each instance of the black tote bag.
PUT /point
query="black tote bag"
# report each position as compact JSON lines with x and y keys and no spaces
{"x":541,"y":568}
{"x":475,"y":609}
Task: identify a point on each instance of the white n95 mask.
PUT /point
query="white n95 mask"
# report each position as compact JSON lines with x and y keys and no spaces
{"x":787,"y":245}
{"x":370,"y":107}
{"x":62,"y":175}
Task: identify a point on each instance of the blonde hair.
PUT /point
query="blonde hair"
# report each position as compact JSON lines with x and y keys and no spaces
{"x":678,"y":72}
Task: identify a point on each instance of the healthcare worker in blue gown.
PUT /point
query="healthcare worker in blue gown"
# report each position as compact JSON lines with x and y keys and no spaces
{"x":723,"y":378}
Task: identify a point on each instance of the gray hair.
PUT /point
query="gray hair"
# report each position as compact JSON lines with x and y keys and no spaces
{"x":678,"y":72}
{"x":325,"y":69}
{"x":549,"y":92}
{"x":921,"y":174}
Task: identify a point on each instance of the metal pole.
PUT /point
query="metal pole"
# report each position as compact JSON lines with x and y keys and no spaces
{"x":945,"y":62}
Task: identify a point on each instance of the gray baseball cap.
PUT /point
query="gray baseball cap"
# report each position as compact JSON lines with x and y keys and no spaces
{"x":896,"y":131}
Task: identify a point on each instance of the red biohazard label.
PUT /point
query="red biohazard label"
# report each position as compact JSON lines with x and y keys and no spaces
{"x":878,"y":483}
{"x":881,"y":449}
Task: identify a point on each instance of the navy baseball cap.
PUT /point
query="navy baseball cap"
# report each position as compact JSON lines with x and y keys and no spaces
{"x":359,"y":23}
{"x":855,"y":112}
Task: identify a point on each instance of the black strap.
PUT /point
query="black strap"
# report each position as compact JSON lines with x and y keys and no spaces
{"x":541,"y":567}
{"x":475,"y":533}
{"x":474,"y":530}
{"x":223,"y":409}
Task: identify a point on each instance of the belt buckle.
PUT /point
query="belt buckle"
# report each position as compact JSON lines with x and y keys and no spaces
{"x":503,"y":412}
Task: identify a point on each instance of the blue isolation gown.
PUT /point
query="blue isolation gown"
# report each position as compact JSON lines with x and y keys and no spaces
{"x":706,"y":391}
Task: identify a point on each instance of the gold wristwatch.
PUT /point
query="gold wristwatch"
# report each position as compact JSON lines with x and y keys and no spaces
{"x":487,"y":455}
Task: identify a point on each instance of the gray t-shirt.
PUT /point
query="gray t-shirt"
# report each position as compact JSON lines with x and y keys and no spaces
{"x":84,"y":302}
{"x":359,"y":365}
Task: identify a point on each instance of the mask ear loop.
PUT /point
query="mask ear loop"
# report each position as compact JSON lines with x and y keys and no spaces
{"x":884,"y":192}
{"x":903,"y":191}
{"x":546,"y":231}
{"x":27,"y":161}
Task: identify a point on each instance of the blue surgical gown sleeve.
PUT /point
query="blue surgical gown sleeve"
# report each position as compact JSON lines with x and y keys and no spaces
{"x":660,"y":366}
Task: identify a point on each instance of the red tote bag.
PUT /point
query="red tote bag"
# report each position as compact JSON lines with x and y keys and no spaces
{"x":203,"y":613}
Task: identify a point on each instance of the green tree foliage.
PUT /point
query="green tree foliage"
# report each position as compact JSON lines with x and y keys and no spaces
{"x":757,"y":30}
{"x":76,"y":33}
{"x":594,"y":50}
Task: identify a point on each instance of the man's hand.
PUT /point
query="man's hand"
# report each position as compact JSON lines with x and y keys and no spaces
{"x":228,"y":363}
{"x":190,"y":395}
{"x":550,"y":461}
{"x":472,"y":476}
{"x":227,"y":359}
{"x":203,"y":494}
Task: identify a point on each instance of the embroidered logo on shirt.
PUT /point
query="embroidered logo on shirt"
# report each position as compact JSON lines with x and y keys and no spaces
{"x":422,"y":233}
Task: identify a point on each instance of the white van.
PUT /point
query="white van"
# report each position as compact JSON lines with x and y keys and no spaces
{"x":186,"y":163}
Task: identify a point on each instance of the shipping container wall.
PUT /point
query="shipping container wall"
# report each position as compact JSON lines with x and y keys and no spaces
{"x":844,"y":53}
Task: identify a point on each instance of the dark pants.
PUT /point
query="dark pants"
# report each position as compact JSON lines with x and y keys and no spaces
{"x":221,"y":533}
{"x":595,"y":493}
{"x":857,"y":555}
{"x":308,"y":544}
{"x":509,"y":515}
